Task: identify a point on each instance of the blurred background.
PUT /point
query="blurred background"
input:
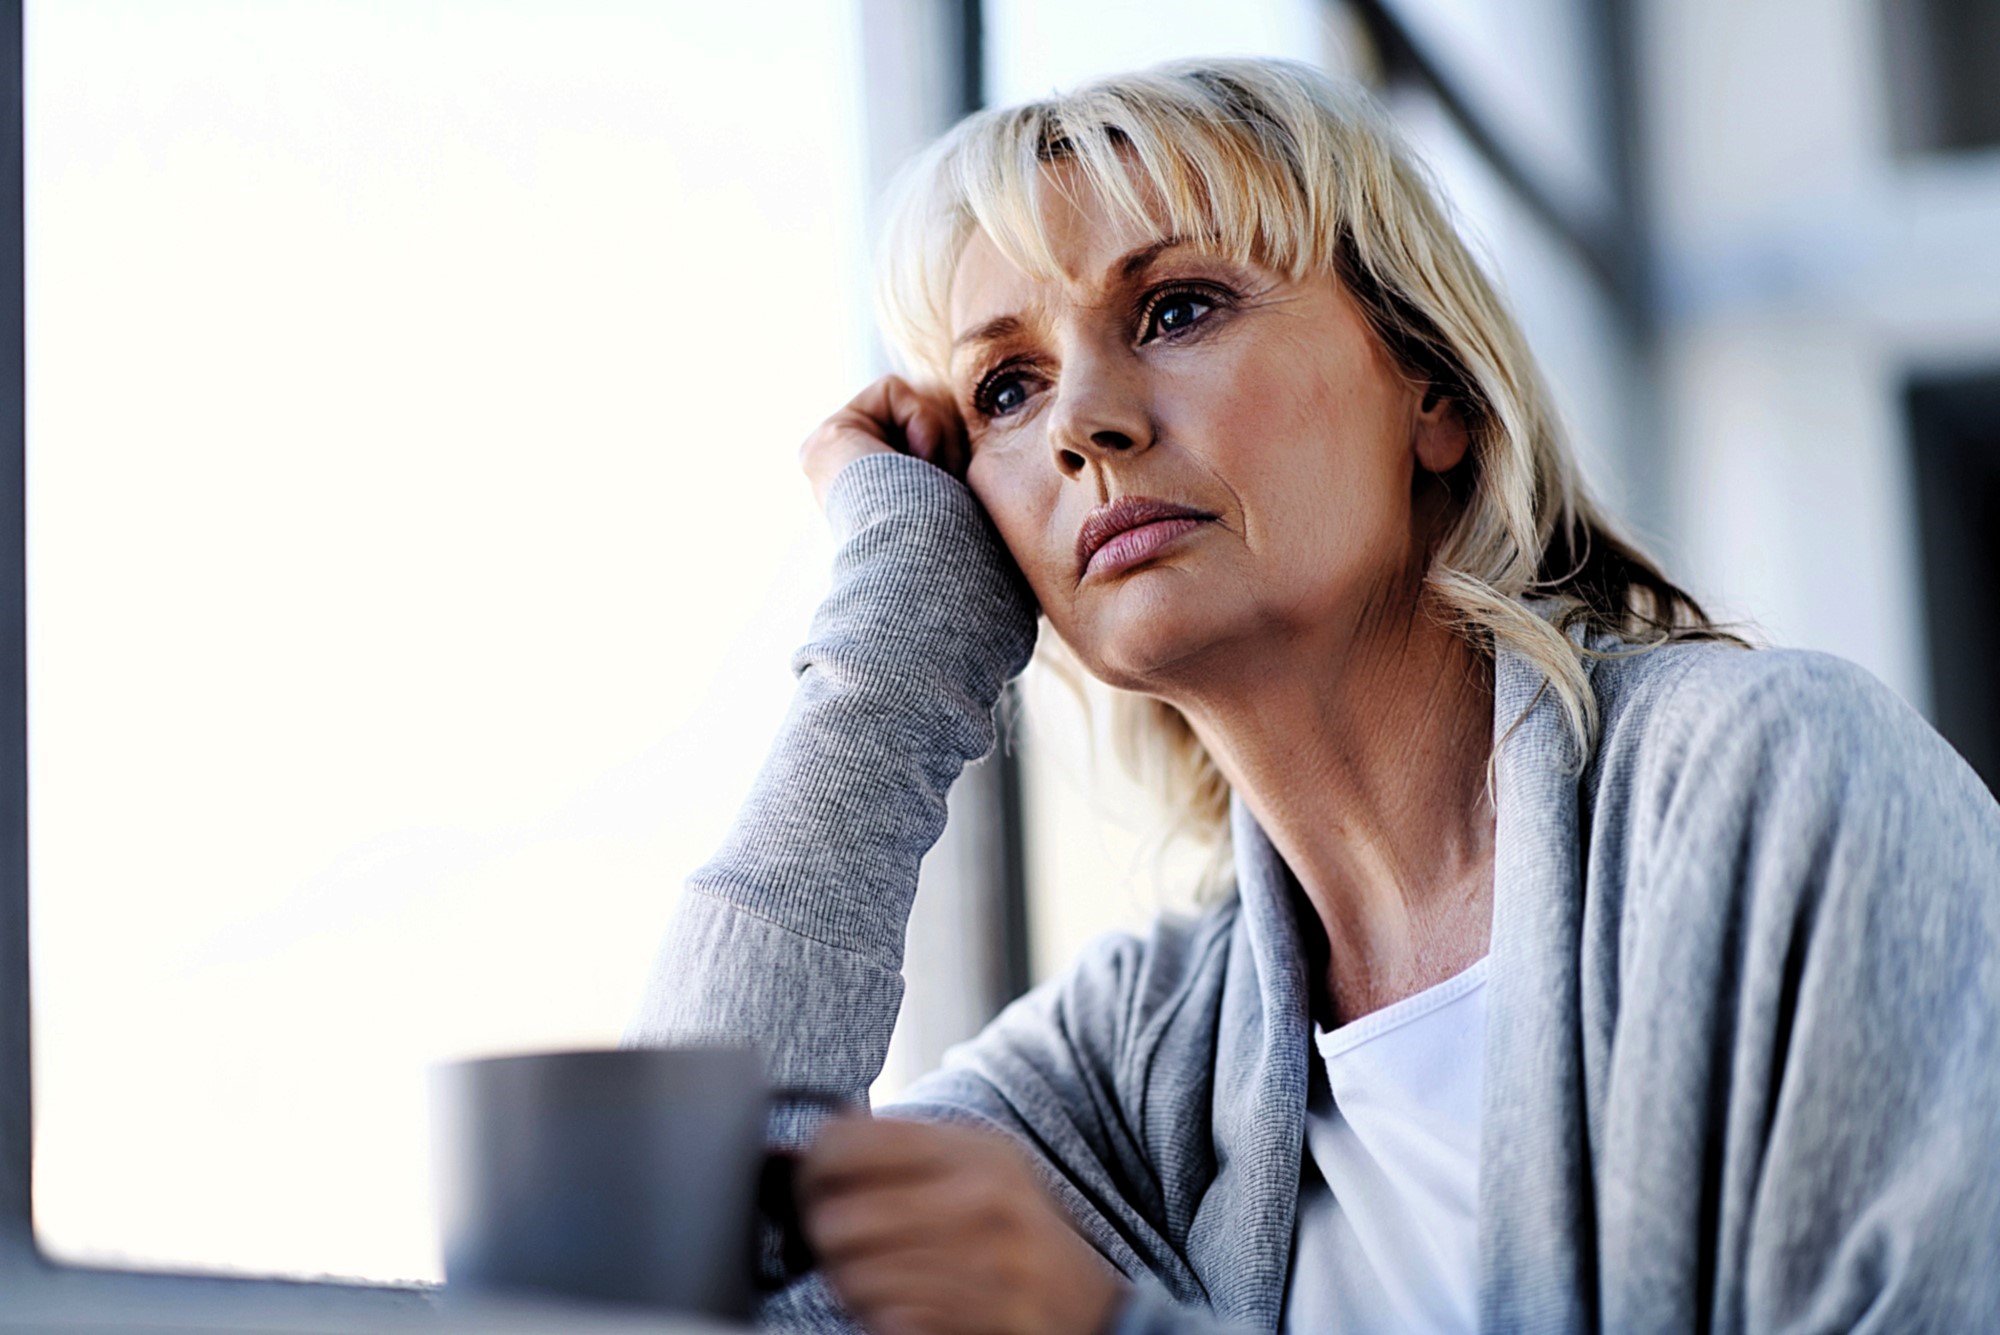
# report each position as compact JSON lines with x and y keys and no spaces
{"x":416,"y":548}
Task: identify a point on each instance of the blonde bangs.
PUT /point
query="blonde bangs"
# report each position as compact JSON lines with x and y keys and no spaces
{"x":1180,"y":151}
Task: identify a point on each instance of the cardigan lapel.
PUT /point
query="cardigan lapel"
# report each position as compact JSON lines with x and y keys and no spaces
{"x":1240,"y":1241}
{"x":1536,"y":1225}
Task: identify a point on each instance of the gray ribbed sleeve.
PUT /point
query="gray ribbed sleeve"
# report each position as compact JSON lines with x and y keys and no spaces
{"x":792,"y":934}
{"x":925,"y":622}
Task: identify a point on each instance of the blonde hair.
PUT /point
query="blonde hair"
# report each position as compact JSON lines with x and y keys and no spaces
{"x":1275,"y":162}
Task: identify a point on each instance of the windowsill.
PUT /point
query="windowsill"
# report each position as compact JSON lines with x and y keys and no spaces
{"x":52,"y":1298}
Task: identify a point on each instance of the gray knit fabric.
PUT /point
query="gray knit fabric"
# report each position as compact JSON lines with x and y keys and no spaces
{"x":1743,"y":1055}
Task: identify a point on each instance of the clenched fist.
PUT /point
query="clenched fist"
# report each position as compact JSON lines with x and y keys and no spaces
{"x":889,"y":415}
{"x":931,"y":1229}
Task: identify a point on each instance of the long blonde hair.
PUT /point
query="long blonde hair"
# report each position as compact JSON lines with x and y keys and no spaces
{"x":1278,"y":163}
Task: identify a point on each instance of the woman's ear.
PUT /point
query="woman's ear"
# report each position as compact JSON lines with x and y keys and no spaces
{"x":1442,"y":437}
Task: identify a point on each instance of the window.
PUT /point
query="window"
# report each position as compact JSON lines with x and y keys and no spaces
{"x":415,"y":551}
{"x":1535,"y":71}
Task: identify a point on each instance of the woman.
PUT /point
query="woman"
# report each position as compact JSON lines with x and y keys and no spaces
{"x":1584,"y":968}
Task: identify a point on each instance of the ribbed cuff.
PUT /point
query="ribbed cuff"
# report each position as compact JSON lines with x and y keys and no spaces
{"x":877,"y":483}
{"x":919,"y":551}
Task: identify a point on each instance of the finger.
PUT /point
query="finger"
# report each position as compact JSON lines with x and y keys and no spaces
{"x":884,"y":409}
{"x":862,"y":1146}
{"x":951,"y":452}
{"x":930,"y":425}
{"x":922,"y":1294}
{"x":871,"y":413}
{"x":915,"y":420}
{"x":903,"y":1216}
{"x":907,"y":1319}
{"x":852,"y":1152}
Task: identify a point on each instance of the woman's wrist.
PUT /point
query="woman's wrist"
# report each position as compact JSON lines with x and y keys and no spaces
{"x":920,"y":563}
{"x":870,"y":483}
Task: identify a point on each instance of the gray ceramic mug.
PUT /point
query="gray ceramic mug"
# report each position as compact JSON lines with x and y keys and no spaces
{"x":631,"y":1175}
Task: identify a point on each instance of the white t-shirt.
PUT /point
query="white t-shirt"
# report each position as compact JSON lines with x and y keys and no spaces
{"x":1386,"y":1237}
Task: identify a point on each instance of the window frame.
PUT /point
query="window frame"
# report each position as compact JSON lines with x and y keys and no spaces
{"x":1614,"y":248}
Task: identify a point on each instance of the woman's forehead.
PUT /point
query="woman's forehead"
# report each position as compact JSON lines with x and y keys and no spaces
{"x":1093,"y":254}
{"x":991,"y":292}
{"x":1081,"y":231}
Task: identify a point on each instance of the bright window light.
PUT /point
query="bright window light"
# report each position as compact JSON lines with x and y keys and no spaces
{"x":415,"y":550}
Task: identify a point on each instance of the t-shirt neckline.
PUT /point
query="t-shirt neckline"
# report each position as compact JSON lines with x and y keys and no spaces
{"x":1347,"y":1037}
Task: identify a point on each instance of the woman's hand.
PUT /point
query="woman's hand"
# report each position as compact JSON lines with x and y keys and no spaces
{"x":889,"y":415}
{"x":924,"y":1227}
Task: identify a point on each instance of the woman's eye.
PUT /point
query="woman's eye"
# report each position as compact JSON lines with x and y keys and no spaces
{"x":1182,"y":310}
{"x":1001,"y":395}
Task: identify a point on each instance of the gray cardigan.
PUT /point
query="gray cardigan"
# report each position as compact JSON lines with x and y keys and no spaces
{"x":1743,"y":1056}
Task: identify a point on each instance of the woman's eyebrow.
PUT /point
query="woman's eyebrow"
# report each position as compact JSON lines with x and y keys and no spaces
{"x":1000,"y":327}
{"x":1135,"y":261}
{"x":1125,"y":267}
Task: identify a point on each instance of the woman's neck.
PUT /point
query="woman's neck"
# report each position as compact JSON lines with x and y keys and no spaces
{"x":1365,"y":764}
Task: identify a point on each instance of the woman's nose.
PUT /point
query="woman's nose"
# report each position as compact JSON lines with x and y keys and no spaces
{"x":1100,"y":412}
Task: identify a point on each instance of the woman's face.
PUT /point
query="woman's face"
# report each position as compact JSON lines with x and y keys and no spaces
{"x":1261,"y":411}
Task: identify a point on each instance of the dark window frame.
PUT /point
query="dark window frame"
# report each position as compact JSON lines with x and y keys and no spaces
{"x":1933,"y":56}
{"x":16,"y":1145}
{"x":1613,"y":249}
{"x":1953,"y":422}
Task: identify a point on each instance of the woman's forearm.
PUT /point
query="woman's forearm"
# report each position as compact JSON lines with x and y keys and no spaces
{"x":791,"y":935}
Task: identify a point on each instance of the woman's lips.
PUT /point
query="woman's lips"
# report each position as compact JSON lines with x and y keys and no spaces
{"x":1134,"y":545}
{"x":1129,"y":530}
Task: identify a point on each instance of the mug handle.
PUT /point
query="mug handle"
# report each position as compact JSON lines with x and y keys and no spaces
{"x":777,"y":1201}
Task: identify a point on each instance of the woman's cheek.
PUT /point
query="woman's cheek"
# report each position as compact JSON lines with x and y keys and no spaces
{"x":987,"y":479}
{"x":1020,"y":511}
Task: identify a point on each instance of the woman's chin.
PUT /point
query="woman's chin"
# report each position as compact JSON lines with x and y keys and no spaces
{"x":1150,"y":653}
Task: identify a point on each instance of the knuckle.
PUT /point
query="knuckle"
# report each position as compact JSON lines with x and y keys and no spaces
{"x":992,"y":1211}
{"x":816,"y":444}
{"x":829,"y":1220}
{"x":836,"y":1139}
